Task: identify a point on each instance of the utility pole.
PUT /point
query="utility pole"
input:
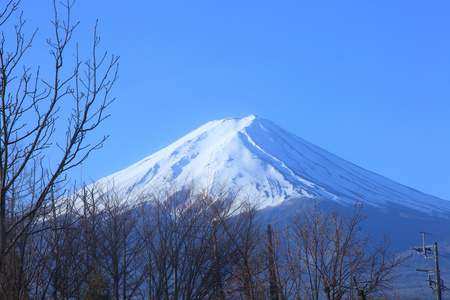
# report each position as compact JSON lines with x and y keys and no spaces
{"x":437,"y":276}
{"x":218,"y":288}
{"x":273,"y":288}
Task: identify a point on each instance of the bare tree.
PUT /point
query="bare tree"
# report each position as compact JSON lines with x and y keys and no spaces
{"x":241,"y":229}
{"x":90,"y":214}
{"x":379,"y":269}
{"x":192,"y":243}
{"x":178,"y":250}
{"x":30,"y":111}
{"x":336,"y":256}
{"x":121,"y":243}
{"x":61,"y":233}
{"x":288,"y":264}
{"x":237,"y":246}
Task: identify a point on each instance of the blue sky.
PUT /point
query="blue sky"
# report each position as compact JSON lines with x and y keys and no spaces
{"x":366,"y":80}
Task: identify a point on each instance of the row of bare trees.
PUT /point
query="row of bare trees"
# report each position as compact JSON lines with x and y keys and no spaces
{"x":324,"y":253}
{"x":99,"y":244}
{"x":103,"y":244}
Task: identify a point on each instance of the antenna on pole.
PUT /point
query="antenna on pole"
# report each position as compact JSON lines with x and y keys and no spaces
{"x":437,"y":282}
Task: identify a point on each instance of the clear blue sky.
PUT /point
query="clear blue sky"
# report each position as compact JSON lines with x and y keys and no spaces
{"x":366,"y":80}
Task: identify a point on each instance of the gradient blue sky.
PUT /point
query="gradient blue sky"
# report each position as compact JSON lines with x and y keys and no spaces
{"x":366,"y":80}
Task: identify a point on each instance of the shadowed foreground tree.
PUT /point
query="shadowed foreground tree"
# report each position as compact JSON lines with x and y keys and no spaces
{"x":30,"y":115}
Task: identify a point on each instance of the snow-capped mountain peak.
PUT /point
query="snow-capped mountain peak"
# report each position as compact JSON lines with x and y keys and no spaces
{"x":258,"y":158}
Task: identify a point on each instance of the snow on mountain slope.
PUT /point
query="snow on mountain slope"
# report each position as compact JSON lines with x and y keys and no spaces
{"x":261,"y":159}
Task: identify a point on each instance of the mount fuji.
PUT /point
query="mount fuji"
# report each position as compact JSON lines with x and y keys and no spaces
{"x":255,"y":157}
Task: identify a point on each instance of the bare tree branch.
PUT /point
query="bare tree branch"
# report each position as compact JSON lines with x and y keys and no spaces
{"x":30,"y":111}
